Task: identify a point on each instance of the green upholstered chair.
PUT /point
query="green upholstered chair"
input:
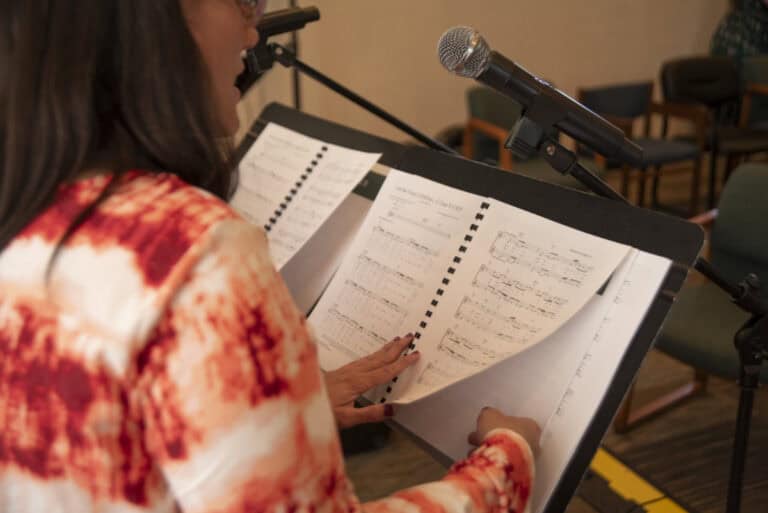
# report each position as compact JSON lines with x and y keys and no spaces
{"x":701,"y":325}
{"x":623,"y":105}
{"x":491,"y":118}
{"x":754,"y":76}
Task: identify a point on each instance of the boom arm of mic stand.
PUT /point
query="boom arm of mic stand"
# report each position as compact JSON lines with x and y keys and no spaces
{"x":751,"y":340}
{"x":288,"y":59}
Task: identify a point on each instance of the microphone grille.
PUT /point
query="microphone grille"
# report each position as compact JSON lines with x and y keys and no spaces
{"x":462,"y":50}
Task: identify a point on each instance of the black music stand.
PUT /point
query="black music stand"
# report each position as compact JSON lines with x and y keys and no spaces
{"x":646,"y":230}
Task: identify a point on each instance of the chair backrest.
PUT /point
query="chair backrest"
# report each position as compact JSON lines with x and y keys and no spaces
{"x":712,"y":81}
{"x":486,"y":104}
{"x":739,"y":242}
{"x":622,"y":100}
{"x":755,"y":70}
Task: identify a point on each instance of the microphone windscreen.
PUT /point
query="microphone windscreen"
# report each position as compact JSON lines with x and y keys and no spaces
{"x":462,"y":50}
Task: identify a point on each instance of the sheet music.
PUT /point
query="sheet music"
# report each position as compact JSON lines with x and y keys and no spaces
{"x":412,"y":227}
{"x":522,"y":278}
{"x":308,"y":273}
{"x":270,"y":169}
{"x":559,"y":382}
{"x":297,"y":182}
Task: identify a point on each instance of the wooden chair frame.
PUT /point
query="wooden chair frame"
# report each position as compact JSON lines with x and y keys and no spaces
{"x":750,"y":90}
{"x":495,"y":132}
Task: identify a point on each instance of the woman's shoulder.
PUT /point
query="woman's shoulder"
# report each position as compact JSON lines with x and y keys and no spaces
{"x":160,"y":219}
{"x":149,"y":227}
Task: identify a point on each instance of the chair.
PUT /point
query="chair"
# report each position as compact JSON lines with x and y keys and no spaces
{"x":754,"y":105}
{"x":714,"y":84}
{"x":491,"y":118}
{"x":622,"y":105}
{"x":701,"y":324}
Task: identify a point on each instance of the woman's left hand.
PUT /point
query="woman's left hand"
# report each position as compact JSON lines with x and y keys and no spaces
{"x":347,"y":383}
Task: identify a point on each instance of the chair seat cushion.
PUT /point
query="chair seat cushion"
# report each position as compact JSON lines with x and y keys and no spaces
{"x":699,"y":331}
{"x":662,"y":151}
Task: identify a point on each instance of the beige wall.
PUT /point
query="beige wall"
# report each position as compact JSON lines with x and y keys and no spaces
{"x":386,"y":50}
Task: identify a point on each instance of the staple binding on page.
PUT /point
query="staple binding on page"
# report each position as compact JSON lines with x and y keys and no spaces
{"x":295,"y":189}
{"x":444,"y":284}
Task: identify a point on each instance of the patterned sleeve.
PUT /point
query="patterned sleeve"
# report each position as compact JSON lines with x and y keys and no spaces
{"x":235,"y":414}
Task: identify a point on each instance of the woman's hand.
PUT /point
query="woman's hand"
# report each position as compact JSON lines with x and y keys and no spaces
{"x":347,"y":383}
{"x":491,"y":418}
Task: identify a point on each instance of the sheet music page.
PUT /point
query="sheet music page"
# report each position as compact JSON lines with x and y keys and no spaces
{"x":291,"y":184}
{"x":270,"y":169}
{"x":308,"y":273}
{"x":412,"y":229}
{"x":531,"y":384}
{"x":522,"y":278}
{"x":559,"y":382}
{"x":596,"y":369}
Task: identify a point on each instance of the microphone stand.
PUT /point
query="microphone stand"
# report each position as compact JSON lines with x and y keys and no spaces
{"x":283,"y":55}
{"x":528,"y":138}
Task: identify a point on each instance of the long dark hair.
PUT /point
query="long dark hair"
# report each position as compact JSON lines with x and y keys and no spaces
{"x":112,"y":84}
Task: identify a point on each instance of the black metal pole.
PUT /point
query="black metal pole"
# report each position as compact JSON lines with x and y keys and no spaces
{"x":739,"y":451}
{"x":752,"y":343}
{"x":287,"y":58}
{"x":295,"y":72}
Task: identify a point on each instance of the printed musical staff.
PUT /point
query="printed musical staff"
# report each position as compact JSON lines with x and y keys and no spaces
{"x":291,"y":184}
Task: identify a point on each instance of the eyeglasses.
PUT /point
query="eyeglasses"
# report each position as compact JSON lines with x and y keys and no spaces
{"x":251,"y":9}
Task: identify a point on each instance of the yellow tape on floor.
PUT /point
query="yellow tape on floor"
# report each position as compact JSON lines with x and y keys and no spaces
{"x":625,"y":482}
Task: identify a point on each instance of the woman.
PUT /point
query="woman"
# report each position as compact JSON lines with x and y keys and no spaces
{"x":152,"y":359}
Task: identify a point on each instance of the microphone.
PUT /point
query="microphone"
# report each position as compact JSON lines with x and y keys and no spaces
{"x":286,"y":20}
{"x":463,"y":51}
{"x":259,"y":59}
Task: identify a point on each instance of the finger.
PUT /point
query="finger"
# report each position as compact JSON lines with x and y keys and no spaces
{"x":351,"y":416}
{"x":377,"y":358}
{"x":396,"y":348}
{"x":390,"y":352}
{"x":386,"y":373}
{"x":474,"y":439}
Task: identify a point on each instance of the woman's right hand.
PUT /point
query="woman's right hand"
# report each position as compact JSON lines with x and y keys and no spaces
{"x":491,"y":418}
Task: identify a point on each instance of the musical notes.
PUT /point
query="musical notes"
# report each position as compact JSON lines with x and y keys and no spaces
{"x":563,"y":264}
{"x":487,"y":319}
{"x":520,"y":279}
{"x":390,"y":268}
{"x":291,"y":183}
{"x":477,"y":280}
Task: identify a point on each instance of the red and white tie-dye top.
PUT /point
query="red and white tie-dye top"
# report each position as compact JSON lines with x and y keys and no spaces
{"x":164,"y":368}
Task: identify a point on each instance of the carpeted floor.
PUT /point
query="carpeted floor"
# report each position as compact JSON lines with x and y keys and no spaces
{"x":694,"y":465}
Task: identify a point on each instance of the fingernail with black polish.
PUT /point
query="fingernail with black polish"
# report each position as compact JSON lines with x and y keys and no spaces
{"x":389,"y":410}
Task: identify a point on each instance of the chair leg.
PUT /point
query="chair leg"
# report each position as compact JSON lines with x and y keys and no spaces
{"x":655,"y":186}
{"x":621,"y":420}
{"x":693,"y":207}
{"x":467,"y":146}
{"x":641,"y":187}
{"x":730,"y":164}
{"x":713,"y":150}
{"x":626,"y":419}
{"x":625,"y":170}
